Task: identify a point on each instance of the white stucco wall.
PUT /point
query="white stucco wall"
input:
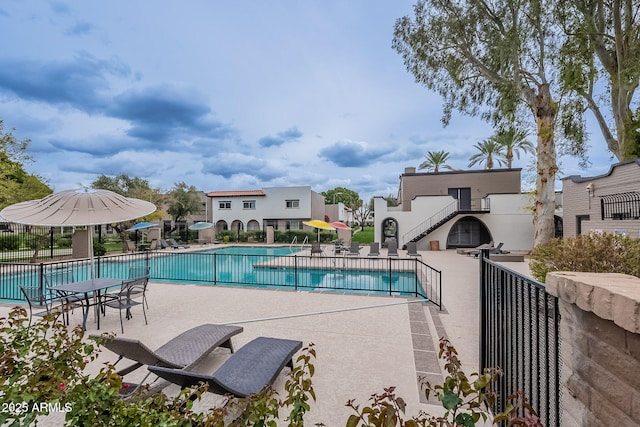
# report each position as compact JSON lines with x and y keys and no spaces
{"x":270,"y":206}
{"x":509,"y":220}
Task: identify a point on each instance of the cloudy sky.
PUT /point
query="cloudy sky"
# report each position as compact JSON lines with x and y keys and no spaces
{"x":224,"y":95}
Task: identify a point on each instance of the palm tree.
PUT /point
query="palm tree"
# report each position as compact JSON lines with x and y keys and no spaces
{"x":490,"y":151}
{"x":513,"y":140}
{"x":435,"y":160}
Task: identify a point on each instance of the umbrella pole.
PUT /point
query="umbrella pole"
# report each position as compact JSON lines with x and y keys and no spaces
{"x":91,"y":261}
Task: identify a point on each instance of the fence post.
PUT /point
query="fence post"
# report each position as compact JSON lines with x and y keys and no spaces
{"x":389,"y":276}
{"x":215,"y":269}
{"x":51,"y":241}
{"x":484,"y":253}
{"x":295,"y":272}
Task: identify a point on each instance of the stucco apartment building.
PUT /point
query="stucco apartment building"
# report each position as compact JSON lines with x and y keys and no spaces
{"x":608,"y":202}
{"x":457,"y":209}
{"x":283,"y":208}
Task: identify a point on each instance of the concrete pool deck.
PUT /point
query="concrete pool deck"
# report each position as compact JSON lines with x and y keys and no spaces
{"x":364,"y":343}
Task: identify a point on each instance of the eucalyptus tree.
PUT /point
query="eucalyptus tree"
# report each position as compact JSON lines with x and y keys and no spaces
{"x":493,"y":60}
{"x":489,"y":152}
{"x":513,"y":141}
{"x":602,"y":50}
{"x":435,"y":161}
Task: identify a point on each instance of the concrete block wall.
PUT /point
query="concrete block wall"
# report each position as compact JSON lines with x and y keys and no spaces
{"x":600,"y":333}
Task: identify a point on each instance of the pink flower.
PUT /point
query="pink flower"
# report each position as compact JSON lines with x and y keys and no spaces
{"x":61,"y":386}
{"x":126,"y":386}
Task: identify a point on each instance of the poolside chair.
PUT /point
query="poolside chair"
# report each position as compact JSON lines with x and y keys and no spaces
{"x":476,"y":250}
{"x":316,"y":249}
{"x":163,"y":244}
{"x":412,"y":249}
{"x":140,"y":271}
{"x":354,"y":250}
{"x":153,"y":245}
{"x":131,"y":245}
{"x":254,"y":366}
{"x":176,"y":245}
{"x":496,"y":250}
{"x":51,"y":303}
{"x":181,"y":352}
{"x":126,"y":299}
{"x":60,"y":276}
{"x":392,"y":248}
{"x":374,"y":249}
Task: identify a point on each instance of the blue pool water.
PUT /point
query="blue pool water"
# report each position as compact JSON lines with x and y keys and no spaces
{"x":239,"y":266}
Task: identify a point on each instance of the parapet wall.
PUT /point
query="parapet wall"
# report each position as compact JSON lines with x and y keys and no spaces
{"x":600,"y":333}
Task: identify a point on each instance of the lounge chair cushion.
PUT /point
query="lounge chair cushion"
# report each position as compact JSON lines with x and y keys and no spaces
{"x":183,"y":351}
{"x":246,"y":372}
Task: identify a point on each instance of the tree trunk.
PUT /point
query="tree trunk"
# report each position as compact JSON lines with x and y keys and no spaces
{"x":545,"y":202}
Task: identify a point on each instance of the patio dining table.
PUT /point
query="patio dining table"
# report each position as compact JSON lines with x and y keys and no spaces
{"x":88,"y":288}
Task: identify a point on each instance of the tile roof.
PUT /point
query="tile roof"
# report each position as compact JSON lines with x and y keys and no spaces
{"x":236,"y":193}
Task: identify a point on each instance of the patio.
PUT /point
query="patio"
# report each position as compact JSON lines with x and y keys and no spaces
{"x":364,"y":343}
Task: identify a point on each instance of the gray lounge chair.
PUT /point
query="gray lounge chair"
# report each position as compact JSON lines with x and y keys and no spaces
{"x":176,"y":245}
{"x":392,"y":248}
{"x":496,"y":250}
{"x":412,"y":249}
{"x":181,"y":352}
{"x":246,"y":372}
{"x":354,"y":249}
{"x":374,"y":249}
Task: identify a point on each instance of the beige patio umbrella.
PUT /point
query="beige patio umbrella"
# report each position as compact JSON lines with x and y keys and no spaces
{"x":84,"y":207}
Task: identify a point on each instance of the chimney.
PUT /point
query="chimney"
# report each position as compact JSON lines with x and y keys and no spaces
{"x":409,"y":170}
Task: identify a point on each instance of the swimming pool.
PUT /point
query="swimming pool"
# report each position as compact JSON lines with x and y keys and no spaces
{"x":256,"y":266}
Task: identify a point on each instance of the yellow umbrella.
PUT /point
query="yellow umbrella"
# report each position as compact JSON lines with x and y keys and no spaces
{"x":320,"y":225}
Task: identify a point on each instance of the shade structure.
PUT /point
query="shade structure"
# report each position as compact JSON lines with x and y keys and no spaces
{"x":141,"y":226}
{"x":319,"y":224}
{"x":340,"y":225}
{"x":202,"y":225}
{"x":78,"y":208}
{"x":82,"y":207}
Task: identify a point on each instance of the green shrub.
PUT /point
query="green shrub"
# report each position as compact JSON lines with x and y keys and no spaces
{"x":593,"y":252}
{"x":98,"y":248}
{"x":9,"y":242}
{"x":42,"y":370}
{"x":62,"y":240}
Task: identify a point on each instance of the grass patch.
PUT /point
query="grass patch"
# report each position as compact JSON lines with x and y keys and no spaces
{"x":362,"y":236}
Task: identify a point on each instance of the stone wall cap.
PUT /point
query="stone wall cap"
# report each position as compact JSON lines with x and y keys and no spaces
{"x":611,"y":296}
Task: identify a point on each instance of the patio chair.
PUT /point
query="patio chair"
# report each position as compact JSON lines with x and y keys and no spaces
{"x":316,"y":249}
{"x":51,"y":303}
{"x":126,"y":298}
{"x":254,"y":366}
{"x":163,"y":244}
{"x":140,"y":271}
{"x":392,"y":248}
{"x":60,"y":276}
{"x":412,"y":249}
{"x":131,"y":245}
{"x":374,"y":249}
{"x":181,"y":352}
{"x":354,"y":250}
{"x":153,"y":245}
{"x":176,"y":245}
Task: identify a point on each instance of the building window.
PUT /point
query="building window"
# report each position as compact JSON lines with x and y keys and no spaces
{"x":293,"y":204}
{"x":620,"y":205}
{"x":225,"y":204}
{"x":271,"y":223}
{"x":294,"y":225}
{"x":249,"y":204}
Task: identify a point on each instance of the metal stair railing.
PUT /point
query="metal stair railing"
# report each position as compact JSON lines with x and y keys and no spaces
{"x":430,"y":222}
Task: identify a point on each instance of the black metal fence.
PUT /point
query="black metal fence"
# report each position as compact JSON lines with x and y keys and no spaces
{"x":391,"y":276}
{"x":25,"y":242}
{"x":519,"y":333}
